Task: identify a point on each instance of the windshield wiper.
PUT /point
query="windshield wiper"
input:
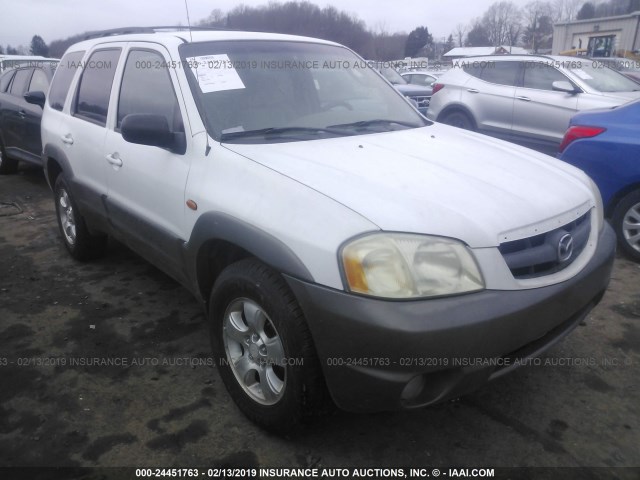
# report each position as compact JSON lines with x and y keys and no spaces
{"x":372,"y":123}
{"x":275,"y":131}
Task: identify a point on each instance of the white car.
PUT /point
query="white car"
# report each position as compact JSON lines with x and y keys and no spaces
{"x":527,"y":99}
{"x":422,"y":78}
{"x":341,"y":244}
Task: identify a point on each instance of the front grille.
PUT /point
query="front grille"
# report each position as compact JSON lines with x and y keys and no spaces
{"x":547,"y":253}
{"x":423,"y":102}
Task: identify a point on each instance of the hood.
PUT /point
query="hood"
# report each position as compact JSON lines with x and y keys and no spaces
{"x":436,"y":180}
{"x":623,"y":97}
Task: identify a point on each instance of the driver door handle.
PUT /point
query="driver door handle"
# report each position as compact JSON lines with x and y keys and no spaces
{"x":68,"y":139}
{"x":524,"y":99}
{"x":114,"y":159}
{"x":472,"y":90}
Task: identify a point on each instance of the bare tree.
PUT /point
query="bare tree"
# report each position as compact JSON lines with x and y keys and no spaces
{"x":215,"y":19}
{"x":502,"y":21}
{"x":566,"y":10}
{"x":459,"y":33}
{"x":478,"y":35}
{"x":534,"y":14}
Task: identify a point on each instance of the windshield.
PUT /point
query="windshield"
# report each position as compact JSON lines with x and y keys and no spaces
{"x":604,"y":79}
{"x":393,"y":76}
{"x":250,"y":91}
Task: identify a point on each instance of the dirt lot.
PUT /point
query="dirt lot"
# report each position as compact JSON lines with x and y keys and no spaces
{"x":166,"y":406}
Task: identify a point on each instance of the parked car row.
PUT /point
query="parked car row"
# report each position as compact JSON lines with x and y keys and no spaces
{"x":19,"y":119}
{"x":333,"y":235}
{"x":614,"y":169}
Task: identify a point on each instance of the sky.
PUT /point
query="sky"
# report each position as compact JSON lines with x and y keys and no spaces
{"x":20,"y":20}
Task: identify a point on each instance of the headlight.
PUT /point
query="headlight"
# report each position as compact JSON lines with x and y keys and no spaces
{"x":599,"y":205}
{"x":395,"y":265}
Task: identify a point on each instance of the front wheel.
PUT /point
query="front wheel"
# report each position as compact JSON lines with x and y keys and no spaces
{"x":263,"y":347}
{"x":458,"y":119}
{"x":80,"y":243}
{"x":626,"y":222}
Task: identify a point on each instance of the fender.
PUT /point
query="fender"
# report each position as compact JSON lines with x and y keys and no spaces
{"x":90,"y":203}
{"x":458,"y":106}
{"x":262,"y":245}
{"x":52,"y":151}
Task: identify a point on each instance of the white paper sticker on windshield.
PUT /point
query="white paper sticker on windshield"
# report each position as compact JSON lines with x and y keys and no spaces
{"x":215,"y":73}
{"x":582,"y":74}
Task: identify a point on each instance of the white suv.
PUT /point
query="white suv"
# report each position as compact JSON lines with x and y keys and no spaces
{"x":340,"y":243}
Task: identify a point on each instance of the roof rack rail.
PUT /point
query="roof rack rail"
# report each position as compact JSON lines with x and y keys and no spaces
{"x":154,"y":29}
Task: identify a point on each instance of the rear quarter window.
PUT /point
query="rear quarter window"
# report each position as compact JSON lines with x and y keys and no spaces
{"x":5,"y":80}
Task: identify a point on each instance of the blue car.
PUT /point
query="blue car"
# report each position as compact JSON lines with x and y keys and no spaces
{"x":606,"y":145}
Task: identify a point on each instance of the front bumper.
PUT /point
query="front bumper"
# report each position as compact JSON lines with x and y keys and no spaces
{"x":386,"y":355}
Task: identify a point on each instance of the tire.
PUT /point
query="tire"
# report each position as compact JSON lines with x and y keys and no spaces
{"x":264,"y":349}
{"x":458,"y":119}
{"x":626,"y":223}
{"x":7,"y":165}
{"x":76,"y":237}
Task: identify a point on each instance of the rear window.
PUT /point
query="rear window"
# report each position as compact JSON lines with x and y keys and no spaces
{"x":62,"y":79}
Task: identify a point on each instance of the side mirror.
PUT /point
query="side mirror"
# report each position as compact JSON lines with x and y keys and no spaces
{"x":564,"y":86}
{"x":35,"y":98}
{"x":152,"y":130}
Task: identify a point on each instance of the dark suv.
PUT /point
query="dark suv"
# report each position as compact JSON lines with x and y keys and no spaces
{"x":19,"y":119}
{"x":420,"y":95}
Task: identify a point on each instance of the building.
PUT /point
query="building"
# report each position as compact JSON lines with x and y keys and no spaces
{"x":599,"y":37}
{"x":462,"y":52}
{"x":10,"y":61}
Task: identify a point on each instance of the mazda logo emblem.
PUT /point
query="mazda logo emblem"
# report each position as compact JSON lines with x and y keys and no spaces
{"x":565,"y":248}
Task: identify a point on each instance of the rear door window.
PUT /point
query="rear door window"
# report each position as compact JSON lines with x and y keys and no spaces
{"x":20,"y":81}
{"x":62,"y":79}
{"x":94,"y":89}
{"x":39,"y":81}
{"x":501,"y":73}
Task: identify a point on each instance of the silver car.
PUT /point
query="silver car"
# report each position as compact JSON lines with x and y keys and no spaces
{"x":424,"y":79}
{"x":527,"y":99}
